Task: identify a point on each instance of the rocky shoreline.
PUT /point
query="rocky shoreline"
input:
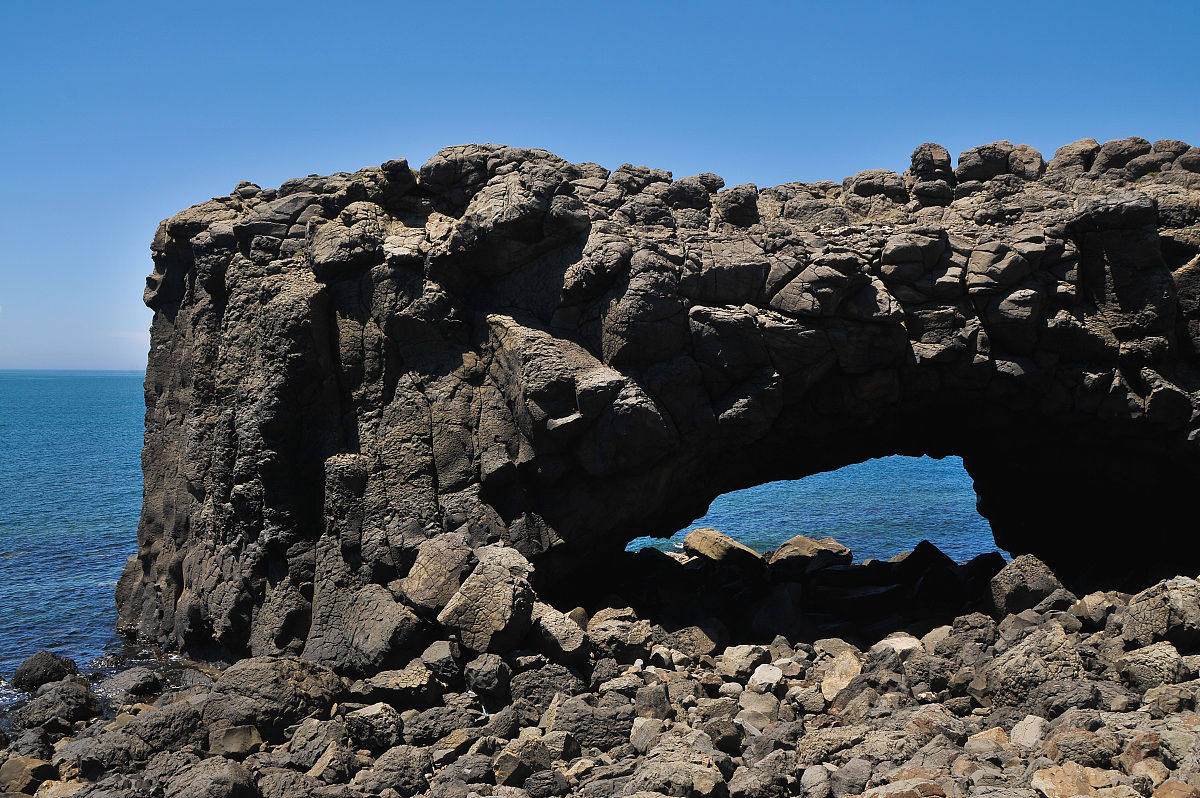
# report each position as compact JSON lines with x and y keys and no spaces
{"x":994,"y":679}
{"x":402,"y":423}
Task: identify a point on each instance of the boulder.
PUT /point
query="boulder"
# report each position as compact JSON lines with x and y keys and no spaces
{"x":984,"y":163}
{"x":1022,"y":585}
{"x":42,"y":668}
{"x":520,"y":759}
{"x":1168,"y":610}
{"x":23,"y":774}
{"x":1173,"y":788}
{"x":460,"y":711}
{"x":442,"y":563}
{"x":1026,"y":162}
{"x":653,"y":701}
{"x":270,"y":693}
{"x":489,"y":676}
{"x":1189,"y":161}
{"x":1117,"y":153}
{"x":1150,"y":666}
{"x":850,"y":779}
{"x":493,"y":609}
{"x":721,"y":549}
{"x":562,"y":639}
{"x":593,"y":725}
{"x":877,"y":183}
{"x":738,"y":662}
{"x":1077,"y":156}
{"x":1028,"y":733}
{"x":842,"y":670}
{"x":443,"y":658}
{"x":801,"y":554}
{"x":1010,"y":679}
{"x":376,"y":728}
{"x":538,"y":686}
{"x":412,"y":687}
{"x":130,"y":685}
{"x":931,"y":162}
{"x":214,"y":778}
{"x":235,"y":742}
{"x":402,"y":768}
{"x":57,"y":705}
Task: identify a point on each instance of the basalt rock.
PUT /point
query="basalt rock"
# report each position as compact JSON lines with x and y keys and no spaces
{"x":1024,"y":704}
{"x":42,"y":668}
{"x":390,"y":407}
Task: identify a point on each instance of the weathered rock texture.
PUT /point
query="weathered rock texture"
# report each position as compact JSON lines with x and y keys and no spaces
{"x":360,"y":384}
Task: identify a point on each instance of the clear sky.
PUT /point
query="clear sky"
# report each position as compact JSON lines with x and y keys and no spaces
{"x":114,"y":115}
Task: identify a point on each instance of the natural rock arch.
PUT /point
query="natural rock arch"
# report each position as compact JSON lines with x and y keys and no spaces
{"x":353,"y":373}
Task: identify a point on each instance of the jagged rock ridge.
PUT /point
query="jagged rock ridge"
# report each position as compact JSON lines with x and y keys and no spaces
{"x":389,"y":402}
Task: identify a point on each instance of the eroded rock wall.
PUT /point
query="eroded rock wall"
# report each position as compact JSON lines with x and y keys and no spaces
{"x":389,"y":403}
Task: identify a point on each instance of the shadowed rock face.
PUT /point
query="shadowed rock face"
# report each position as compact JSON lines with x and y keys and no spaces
{"x":359,"y":384}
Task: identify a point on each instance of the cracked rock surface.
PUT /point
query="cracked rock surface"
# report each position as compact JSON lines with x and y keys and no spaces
{"x":392,"y":406}
{"x":1092,"y":696}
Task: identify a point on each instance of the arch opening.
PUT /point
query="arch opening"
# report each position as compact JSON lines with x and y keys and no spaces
{"x":878,"y":508}
{"x":1068,"y":496}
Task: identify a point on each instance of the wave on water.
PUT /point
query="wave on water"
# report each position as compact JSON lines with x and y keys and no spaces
{"x":9,"y":695}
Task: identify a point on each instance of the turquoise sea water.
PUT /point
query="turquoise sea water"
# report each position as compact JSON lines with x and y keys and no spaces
{"x":878,"y":508}
{"x":70,"y":494}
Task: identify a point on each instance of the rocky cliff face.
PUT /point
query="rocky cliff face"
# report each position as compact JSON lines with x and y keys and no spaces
{"x":390,"y":402}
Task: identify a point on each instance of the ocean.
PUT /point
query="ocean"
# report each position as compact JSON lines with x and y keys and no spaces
{"x":71,"y":489}
{"x":70,"y":494}
{"x":878,"y":508}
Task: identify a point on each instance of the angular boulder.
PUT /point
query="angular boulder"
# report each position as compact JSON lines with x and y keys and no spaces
{"x":1021,"y":585}
{"x":42,"y":668}
{"x":493,"y":609}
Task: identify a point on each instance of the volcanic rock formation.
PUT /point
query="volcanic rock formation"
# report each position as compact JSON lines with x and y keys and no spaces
{"x":389,"y":402}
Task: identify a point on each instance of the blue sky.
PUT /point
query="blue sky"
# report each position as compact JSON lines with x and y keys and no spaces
{"x":116,"y":115}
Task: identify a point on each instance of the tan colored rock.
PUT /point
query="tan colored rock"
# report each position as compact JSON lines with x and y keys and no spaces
{"x":412,"y":687}
{"x":996,"y":734}
{"x":1062,"y":781}
{"x":59,"y":789}
{"x":493,"y":609}
{"x":1071,"y":779}
{"x":842,"y":670}
{"x":720,"y":548}
{"x":1154,"y":769}
{"x":25,"y":774}
{"x":801,"y":551}
{"x":235,"y":741}
{"x":1119,"y":791}
{"x":900,"y":642}
{"x":907,"y":788}
{"x":1173,"y":788}
{"x":453,"y":745}
{"x":986,"y":742}
{"x":1029,"y":732}
{"x":563,"y":640}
